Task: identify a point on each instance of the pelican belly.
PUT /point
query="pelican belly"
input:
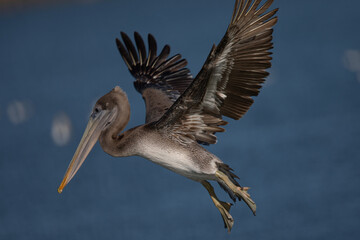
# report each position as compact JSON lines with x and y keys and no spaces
{"x":177,"y":159}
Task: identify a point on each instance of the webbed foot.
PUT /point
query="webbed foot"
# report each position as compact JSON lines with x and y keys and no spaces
{"x":223,"y":207}
{"x":240,"y":192}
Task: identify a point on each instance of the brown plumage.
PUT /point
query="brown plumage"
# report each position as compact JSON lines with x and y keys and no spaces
{"x":182,"y":112}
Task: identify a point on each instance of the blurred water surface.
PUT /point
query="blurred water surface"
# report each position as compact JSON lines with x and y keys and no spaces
{"x":297,"y":147}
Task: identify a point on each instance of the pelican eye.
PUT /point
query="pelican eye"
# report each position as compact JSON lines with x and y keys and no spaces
{"x":95,"y":112}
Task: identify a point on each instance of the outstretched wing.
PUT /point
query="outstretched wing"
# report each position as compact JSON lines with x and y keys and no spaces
{"x":159,"y":79}
{"x":231,"y":75}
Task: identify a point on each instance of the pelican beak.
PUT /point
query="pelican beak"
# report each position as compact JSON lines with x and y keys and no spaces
{"x":95,"y":126}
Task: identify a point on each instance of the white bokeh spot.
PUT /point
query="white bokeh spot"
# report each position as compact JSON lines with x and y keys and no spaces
{"x":19,"y":111}
{"x":352,"y":61}
{"x":61,"y":129}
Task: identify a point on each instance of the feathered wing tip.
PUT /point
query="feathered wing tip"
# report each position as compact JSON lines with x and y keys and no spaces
{"x":150,"y":69}
{"x":244,"y":10}
{"x":251,"y":31}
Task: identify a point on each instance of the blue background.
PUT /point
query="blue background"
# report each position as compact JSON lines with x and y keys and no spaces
{"x":297,"y":147}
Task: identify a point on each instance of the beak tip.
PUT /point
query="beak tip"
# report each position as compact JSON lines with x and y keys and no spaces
{"x":60,"y":189}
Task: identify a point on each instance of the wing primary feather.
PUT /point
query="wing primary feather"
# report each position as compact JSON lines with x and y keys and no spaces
{"x":244,"y":10}
{"x":235,"y":9}
{"x":178,"y":65}
{"x":260,"y":28}
{"x":162,"y":56}
{"x":152,"y":50}
{"x":168,"y":62}
{"x":261,"y":20}
{"x":124,"y":54}
{"x":181,"y":72}
{"x":130,"y":47}
{"x":141,"y":48}
{"x":238,"y":12}
{"x":253,"y":7}
{"x":171,"y":66}
{"x":264,"y":7}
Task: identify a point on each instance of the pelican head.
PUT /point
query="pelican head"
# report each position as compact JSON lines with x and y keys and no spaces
{"x":105,"y":113}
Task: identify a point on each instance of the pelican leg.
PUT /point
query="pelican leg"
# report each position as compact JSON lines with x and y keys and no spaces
{"x":240,"y":192}
{"x":223,"y":207}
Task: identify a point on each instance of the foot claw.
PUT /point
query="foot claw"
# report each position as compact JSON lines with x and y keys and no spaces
{"x":223,"y":207}
{"x":245,"y":191}
{"x":240,"y":192}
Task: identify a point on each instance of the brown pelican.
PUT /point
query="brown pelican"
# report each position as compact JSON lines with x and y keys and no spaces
{"x":181,"y":112}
